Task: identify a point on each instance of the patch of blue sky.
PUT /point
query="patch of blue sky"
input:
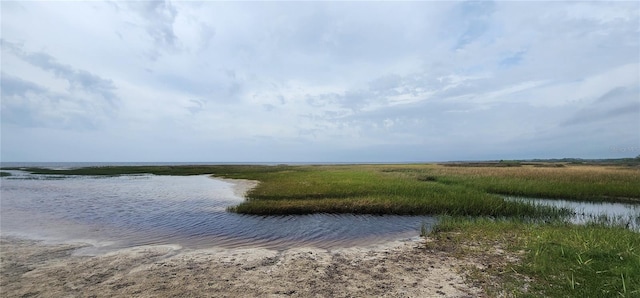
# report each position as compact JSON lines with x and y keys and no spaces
{"x":476,"y":18}
{"x":512,"y":60}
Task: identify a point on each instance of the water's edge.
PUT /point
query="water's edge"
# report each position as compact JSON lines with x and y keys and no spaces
{"x":134,"y":210}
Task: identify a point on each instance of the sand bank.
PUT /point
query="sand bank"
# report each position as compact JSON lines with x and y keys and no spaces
{"x":397,"y":269}
{"x":240,"y":186}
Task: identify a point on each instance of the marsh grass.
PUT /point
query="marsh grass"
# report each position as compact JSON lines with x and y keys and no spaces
{"x":571,"y":182}
{"x":366,"y":189}
{"x":549,"y":259}
{"x":589,"y":183}
{"x":626,"y":221}
{"x":419,"y":189}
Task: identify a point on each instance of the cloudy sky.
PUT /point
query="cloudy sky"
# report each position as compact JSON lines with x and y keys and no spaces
{"x":319,"y":81}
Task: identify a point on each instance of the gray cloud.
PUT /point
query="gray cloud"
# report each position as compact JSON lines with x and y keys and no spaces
{"x":77,"y":78}
{"x":160,"y":15}
{"x":14,"y":86}
{"x":26,"y":104}
{"x":88,"y":102}
{"x":157,"y":19}
{"x":614,"y":104}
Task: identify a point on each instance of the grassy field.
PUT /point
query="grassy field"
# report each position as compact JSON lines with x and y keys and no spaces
{"x":524,"y":259}
{"x":581,"y":182}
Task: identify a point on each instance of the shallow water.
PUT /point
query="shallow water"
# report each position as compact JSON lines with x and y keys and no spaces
{"x":611,"y":212}
{"x":132,"y":210}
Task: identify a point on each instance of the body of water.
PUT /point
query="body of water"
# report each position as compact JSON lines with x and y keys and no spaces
{"x":132,"y":210}
{"x":608,"y":212}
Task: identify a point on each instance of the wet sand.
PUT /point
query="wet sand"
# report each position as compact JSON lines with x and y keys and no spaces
{"x":30,"y":268}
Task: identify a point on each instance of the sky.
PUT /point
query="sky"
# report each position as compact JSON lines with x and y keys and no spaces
{"x":178,"y":81}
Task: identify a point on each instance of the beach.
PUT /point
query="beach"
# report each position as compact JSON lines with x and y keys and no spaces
{"x":397,"y":269}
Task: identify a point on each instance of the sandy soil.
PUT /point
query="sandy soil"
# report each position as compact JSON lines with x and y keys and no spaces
{"x":240,"y":186}
{"x":399,"y":269}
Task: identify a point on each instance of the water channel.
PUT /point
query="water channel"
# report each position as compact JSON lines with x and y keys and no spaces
{"x":626,"y":214}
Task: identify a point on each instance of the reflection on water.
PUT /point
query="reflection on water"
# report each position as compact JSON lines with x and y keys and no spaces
{"x":189,"y":211}
{"x":620,"y":213}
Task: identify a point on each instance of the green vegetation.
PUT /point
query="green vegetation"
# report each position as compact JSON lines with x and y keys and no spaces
{"x":5,"y":174}
{"x":547,"y":260}
{"x":464,"y":189}
{"x":366,"y":189}
{"x":588,"y":183}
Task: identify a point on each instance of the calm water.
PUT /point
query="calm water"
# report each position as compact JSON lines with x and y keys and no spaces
{"x":115,"y":212}
{"x":627,"y":214}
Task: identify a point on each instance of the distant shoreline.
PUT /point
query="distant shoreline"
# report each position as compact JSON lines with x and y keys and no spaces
{"x":83,"y":164}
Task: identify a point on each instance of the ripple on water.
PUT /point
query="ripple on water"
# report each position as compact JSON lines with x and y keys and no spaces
{"x":189,"y":211}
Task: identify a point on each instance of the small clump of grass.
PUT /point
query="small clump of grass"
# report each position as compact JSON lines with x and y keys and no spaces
{"x":5,"y":174}
{"x":428,"y":178}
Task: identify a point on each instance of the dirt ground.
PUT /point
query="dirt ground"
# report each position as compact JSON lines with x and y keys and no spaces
{"x":398,"y":269}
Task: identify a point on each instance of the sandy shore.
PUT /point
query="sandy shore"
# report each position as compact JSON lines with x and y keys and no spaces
{"x":240,"y":186}
{"x":397,"y":269}
{"x":30,"y":268}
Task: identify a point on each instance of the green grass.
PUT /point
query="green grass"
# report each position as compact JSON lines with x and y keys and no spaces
{"x":364,"y":189}
{"x":419,"y":189}
{"x":588,"y":183}
{"x":552,"y":259}
{"x":582,"y":183}
{"x":5,"y":174}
